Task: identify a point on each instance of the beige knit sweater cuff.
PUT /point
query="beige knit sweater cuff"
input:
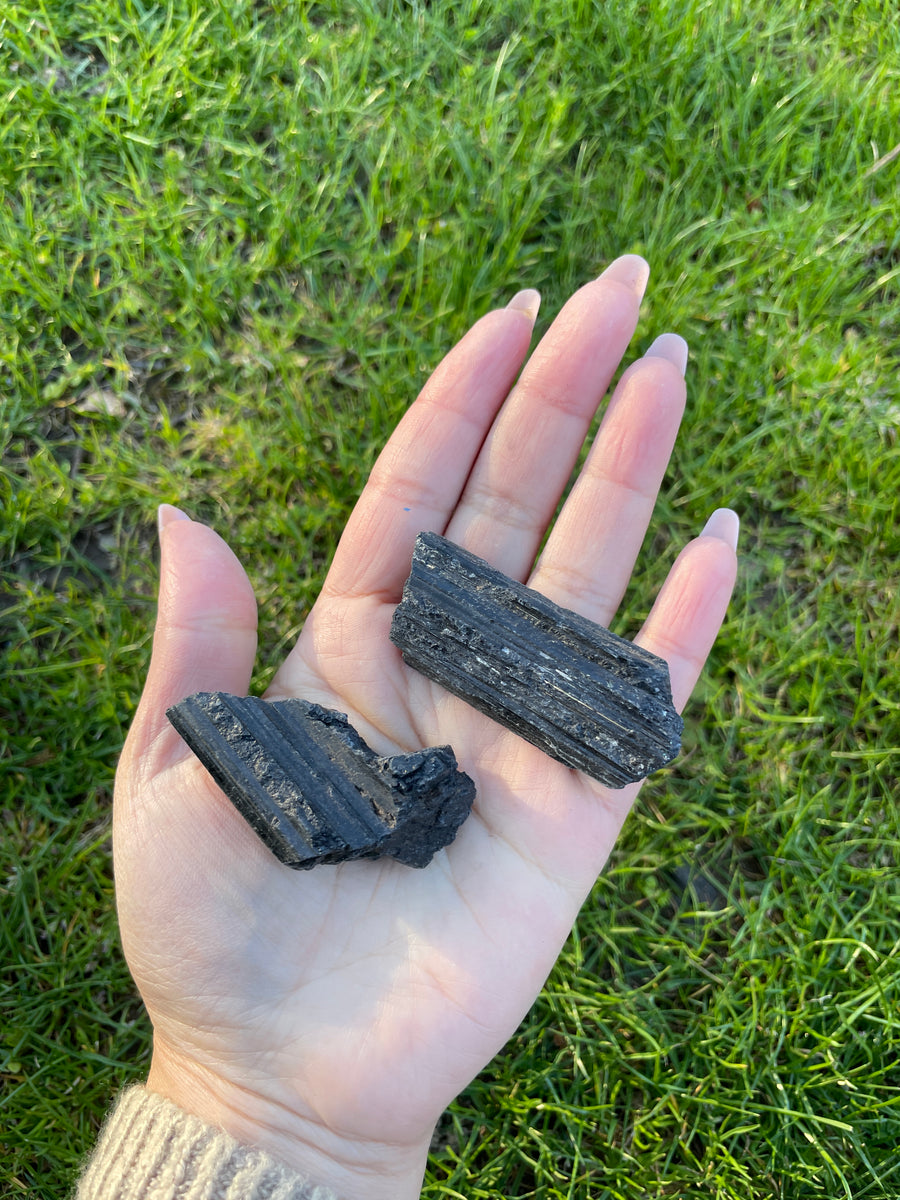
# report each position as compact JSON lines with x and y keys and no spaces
{"x":150,"y":1150}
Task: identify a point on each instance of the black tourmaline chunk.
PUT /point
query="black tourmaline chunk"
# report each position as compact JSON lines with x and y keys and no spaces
{"x":314,"y":791}
{"x":583,"y":695}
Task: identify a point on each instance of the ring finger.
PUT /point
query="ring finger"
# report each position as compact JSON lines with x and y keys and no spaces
{"x":590,"y":553}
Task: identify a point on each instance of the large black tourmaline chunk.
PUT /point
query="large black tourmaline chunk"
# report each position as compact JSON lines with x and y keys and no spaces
{"x":314,"y":791}
{"x":588,"y":698}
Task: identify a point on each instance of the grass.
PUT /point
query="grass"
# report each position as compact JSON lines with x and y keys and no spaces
{"x":234,"y":239}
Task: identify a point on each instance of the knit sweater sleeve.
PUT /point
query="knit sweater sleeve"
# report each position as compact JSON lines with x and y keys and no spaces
{"x":150,"y":1150}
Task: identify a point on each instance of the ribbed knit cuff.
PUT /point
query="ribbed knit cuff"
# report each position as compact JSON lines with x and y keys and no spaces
{"x":150,"y":1150}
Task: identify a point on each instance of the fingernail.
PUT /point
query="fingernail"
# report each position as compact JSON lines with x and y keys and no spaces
{"x":166,"y":514}
{"x":725,"y":525}
{"x":630,"y":269}
{"x":670,"y":346}
{"x":527,"y":301}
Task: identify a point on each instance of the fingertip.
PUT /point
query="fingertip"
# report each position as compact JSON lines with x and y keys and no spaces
{"x":203,"y":582}
{"x":630,"y":269}
{"x":166,"y":514}
{"x":725,"y":525}
{"x":672,"y":347}
{"x":527,"y":302}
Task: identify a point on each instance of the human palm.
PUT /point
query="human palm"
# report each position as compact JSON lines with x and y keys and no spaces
{"x":329,"y":1016}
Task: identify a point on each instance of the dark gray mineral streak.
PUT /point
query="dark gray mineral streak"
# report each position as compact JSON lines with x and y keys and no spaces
{"x":313,"y":790}
{"x":585,"y":696}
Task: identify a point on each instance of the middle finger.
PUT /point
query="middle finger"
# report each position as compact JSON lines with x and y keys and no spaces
{"x":528,"y":456}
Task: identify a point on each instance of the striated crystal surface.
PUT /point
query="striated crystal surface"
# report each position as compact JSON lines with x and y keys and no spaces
{"x":585,"y":696}
{"x":313,"y":790}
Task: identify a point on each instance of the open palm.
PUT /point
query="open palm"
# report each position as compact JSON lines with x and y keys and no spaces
{"x":329,"y":1016}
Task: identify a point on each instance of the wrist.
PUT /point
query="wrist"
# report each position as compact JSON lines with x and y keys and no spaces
{"x":354,"y":1168}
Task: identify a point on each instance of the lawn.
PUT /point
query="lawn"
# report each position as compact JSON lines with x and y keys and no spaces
{"x":234,"y":240}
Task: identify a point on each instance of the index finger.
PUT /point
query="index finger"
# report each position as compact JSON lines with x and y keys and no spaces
{"x":420,"y":474}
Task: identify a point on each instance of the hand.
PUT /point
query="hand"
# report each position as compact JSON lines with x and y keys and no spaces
{"x":330,"y":1016}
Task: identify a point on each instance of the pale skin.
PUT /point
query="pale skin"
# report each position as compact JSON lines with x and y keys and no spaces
{"x":330,"y":1016}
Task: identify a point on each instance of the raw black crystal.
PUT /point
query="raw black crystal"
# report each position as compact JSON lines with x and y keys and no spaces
{"x":313,"y":790}
{"x":585,"y":696}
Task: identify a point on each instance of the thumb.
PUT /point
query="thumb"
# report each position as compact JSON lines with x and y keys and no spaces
{"x":205,"y":636}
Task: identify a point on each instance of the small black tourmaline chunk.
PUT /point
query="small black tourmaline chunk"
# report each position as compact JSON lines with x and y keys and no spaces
{"x":314,"y":791}
{"x":588,"y":698}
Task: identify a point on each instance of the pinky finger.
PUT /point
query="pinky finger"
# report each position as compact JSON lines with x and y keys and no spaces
{"x":691,"y":605}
